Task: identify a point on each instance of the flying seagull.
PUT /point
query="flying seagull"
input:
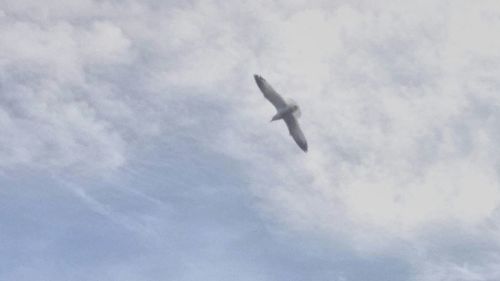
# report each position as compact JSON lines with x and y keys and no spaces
{"x":288,"y":110}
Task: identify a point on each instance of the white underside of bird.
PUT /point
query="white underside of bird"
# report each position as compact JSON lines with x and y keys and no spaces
{"x":287,"y":110}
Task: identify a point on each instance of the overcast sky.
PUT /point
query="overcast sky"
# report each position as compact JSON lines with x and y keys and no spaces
{"x":135,"y":145}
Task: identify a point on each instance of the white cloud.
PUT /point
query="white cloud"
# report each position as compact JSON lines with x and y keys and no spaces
{"x":56,"y":115}
{"x":389,"y":118}
{"x":398,"y":100}
{"x":399,"y":118}
{"x":104,"y":43}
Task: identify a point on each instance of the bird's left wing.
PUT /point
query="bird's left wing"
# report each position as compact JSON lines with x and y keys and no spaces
{"x":270,"y":93}
{"x":295,"y":131}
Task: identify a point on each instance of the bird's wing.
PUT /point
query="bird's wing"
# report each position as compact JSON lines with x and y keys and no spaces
{"x":295,"y":131}
{"x":270,"y":93}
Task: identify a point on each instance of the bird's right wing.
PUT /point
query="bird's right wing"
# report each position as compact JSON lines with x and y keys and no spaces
{"x":295,"y":131}
{"x":270,"y":93}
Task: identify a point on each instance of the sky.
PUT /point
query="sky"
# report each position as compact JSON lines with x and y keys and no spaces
{"x":135,"y":145}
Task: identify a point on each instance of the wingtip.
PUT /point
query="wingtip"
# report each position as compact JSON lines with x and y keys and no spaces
{"x":259,"y":80}
{"x":303,"y":146}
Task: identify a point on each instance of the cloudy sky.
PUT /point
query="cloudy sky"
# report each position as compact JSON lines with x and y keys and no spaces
{"x":136,"y":146}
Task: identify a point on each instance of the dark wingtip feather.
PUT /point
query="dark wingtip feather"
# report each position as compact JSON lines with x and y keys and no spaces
{"x":303,"y":146}
{"x":258,"y":80}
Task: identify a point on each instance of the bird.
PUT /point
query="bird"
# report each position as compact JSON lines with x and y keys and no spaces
{"x":288,"y":110}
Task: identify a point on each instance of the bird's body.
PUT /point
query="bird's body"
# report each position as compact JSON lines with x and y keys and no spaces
{"x":288,"y":111}
{"x":282,"y":113}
